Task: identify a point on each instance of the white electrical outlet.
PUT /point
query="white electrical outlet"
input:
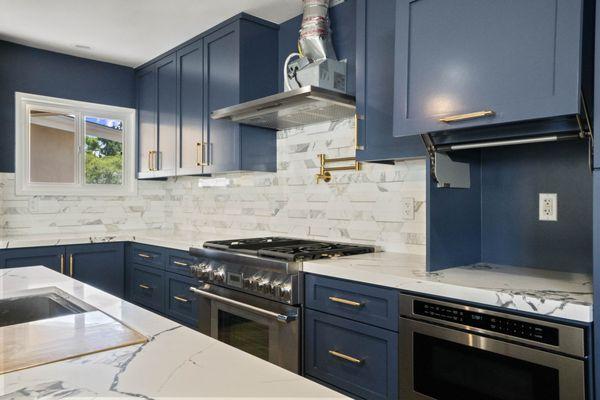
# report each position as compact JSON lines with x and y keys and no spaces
{"x":548,"y":207}
{"x":407,"y":208}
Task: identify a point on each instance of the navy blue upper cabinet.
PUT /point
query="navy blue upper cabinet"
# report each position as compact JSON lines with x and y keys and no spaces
{"x":375,"y":30}
{"x":101,"y":265}
{"x":240,"y":64}
{"x":146,"y":118}
{"x":166,"y":82}
{"x":473,"y":63}
{"x":192,"y":143}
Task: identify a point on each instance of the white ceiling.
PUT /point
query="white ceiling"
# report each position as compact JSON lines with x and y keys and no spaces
{"x":127,"y":32}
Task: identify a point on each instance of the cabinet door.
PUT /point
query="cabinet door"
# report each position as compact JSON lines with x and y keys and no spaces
{"x":166,"y":82}
{"x":52,"y":257}
{"x":101,"y":265}
{"x":180,"y":303}
{"x":375,"y":30}
{"x":147,"y":287}
{"x":221,"y":89}
{"x":146,"y":109}
{"x":192,"y":147}
{"x":500,"y":61}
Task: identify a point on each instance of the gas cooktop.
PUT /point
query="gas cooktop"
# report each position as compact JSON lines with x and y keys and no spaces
{"x":288,"y":249}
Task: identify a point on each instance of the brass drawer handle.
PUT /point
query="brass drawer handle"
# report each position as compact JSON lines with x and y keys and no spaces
{"x":144,"y":255}
{"x":345,"y":357}
{"x":346,"y":302}
{"x":62,"y":264}
{"x":464,"y":117}
{"x":71,"y":265}
{"x":200,"y":146}
{"x":181,"y":299}
{"x":181,"y":263}
{"x":144,"y":286}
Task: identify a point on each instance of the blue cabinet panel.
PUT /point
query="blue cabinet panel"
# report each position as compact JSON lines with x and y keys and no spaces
{"x":51,"y":257}
{"x":375,"y":30}
{"x":372,"y":371}
{"x":101,"y":265}
{"x":221,"y":89}
{"x":179,"y":262}
{"x":146,"y":117}
{"x":147,"y":287}
{"x":166,"y":84}
{"x":365,"y":303}
{"x":519,"y":59}
{"x":190,"y":67}
{"x":180,"y":304}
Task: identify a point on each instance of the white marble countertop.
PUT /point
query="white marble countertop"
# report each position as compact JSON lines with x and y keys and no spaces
{"x":176,"y":361}
{"x":550,"y":293}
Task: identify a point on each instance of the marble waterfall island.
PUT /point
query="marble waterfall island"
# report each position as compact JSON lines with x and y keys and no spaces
{"x":174,"y":362}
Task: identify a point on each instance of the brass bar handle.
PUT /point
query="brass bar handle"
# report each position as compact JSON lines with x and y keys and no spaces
{"x":346,"y":302}
{"x":357,"y":146}
{"x":182,"y":264}
{"x":144,"y":286}
{"x":346,"y":357}
{"x":143,"y":255}
{"x":468,"y":116}
{"x":150,"y":160}
{"x":181,"y":299}
{"x":62,"y":264}
{"x":199,"y":155}
{"x":71,"y":265}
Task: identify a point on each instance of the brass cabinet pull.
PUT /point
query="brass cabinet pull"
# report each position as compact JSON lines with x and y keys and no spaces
{"x":144,"y":255}
{"x":181,"y":299}
{"x":356,"y":144}
{"x":144,"y":286}
{"x":200,"y":154}
{"x":150,"y":161}
{"x":71,"y":265}
{"x":181,"y":263}
{"x":346,"y":302}
{"x":62,"y":264}
{"x":345,"y":357}
{"x":464,"y":117}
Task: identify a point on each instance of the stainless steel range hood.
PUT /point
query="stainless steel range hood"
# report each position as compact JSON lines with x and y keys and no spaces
{"x":304,"y":106}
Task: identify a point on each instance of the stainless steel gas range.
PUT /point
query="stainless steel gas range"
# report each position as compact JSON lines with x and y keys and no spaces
{"x":250,"y":292}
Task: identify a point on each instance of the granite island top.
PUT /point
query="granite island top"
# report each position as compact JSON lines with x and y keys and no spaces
{"x":538,"y":291}
{"x":549,"y":293}
{"x":175,"y":362}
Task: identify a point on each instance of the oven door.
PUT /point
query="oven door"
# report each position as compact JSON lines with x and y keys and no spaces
{"x":261,"y":327}
{"x":443,"y":363}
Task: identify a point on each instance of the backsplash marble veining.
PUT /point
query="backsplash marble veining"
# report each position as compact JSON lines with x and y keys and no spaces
{"x":356,"y":207}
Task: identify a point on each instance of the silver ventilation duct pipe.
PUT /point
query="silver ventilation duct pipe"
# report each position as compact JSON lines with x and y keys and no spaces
{"x":315,"y":33}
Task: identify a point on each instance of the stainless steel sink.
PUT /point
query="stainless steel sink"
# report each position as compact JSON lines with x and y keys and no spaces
{"x":35,"y":305}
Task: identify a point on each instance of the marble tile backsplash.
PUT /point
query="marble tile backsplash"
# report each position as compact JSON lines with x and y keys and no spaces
{"x":357,"y":207}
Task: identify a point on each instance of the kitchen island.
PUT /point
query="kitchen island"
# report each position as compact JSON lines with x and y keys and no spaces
{"x":175,"y":362}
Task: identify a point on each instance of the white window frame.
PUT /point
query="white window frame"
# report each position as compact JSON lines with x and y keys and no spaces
{"x":24,"y":102}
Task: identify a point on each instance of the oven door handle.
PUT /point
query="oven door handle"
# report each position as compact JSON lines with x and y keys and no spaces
{"x":279,"y":317}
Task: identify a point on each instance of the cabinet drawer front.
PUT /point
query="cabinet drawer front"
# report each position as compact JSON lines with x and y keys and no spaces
{"x":180,"y":303}
{"x":147,"y":287}
{"x":364,"y":303}
{"x":179,"y":262}
{"x":356,"y":357}
{"x":148,"y":255}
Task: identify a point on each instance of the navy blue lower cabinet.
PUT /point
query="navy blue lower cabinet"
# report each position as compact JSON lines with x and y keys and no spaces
{"x":150,"y":256}
{"x":179,"y":262}
{"x":52,"y":257}
{"x":355,"y":357}
{"x":101,"y":265}
{"x":147,"y":287}
{"x":180,"y":303}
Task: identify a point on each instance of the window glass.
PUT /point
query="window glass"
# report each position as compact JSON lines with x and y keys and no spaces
{"x":103,"y":151}
{"x":52,"y":152}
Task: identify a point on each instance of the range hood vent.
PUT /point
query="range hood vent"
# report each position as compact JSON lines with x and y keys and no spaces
{"x":304,"y":106}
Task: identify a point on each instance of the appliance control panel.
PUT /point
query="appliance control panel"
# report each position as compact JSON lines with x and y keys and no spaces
{"x":505,"y":325}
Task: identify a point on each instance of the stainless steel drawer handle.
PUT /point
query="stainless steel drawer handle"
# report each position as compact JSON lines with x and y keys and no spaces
{"x":346,"y":302}
{"x":346,"y":357}
{"x":144,"y":255}
{"x":465,"y":117}
{"x":261,"y":311}
{"x":144,"y":286}
{"x":181,"y":263}
{"x":181,"y":299}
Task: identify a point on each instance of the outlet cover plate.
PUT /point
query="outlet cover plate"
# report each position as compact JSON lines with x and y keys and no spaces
{"x":548,"y":207}
{"x":407,"y":208}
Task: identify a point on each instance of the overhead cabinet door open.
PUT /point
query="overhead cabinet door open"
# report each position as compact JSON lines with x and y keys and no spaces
{"x":469,"y":63}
